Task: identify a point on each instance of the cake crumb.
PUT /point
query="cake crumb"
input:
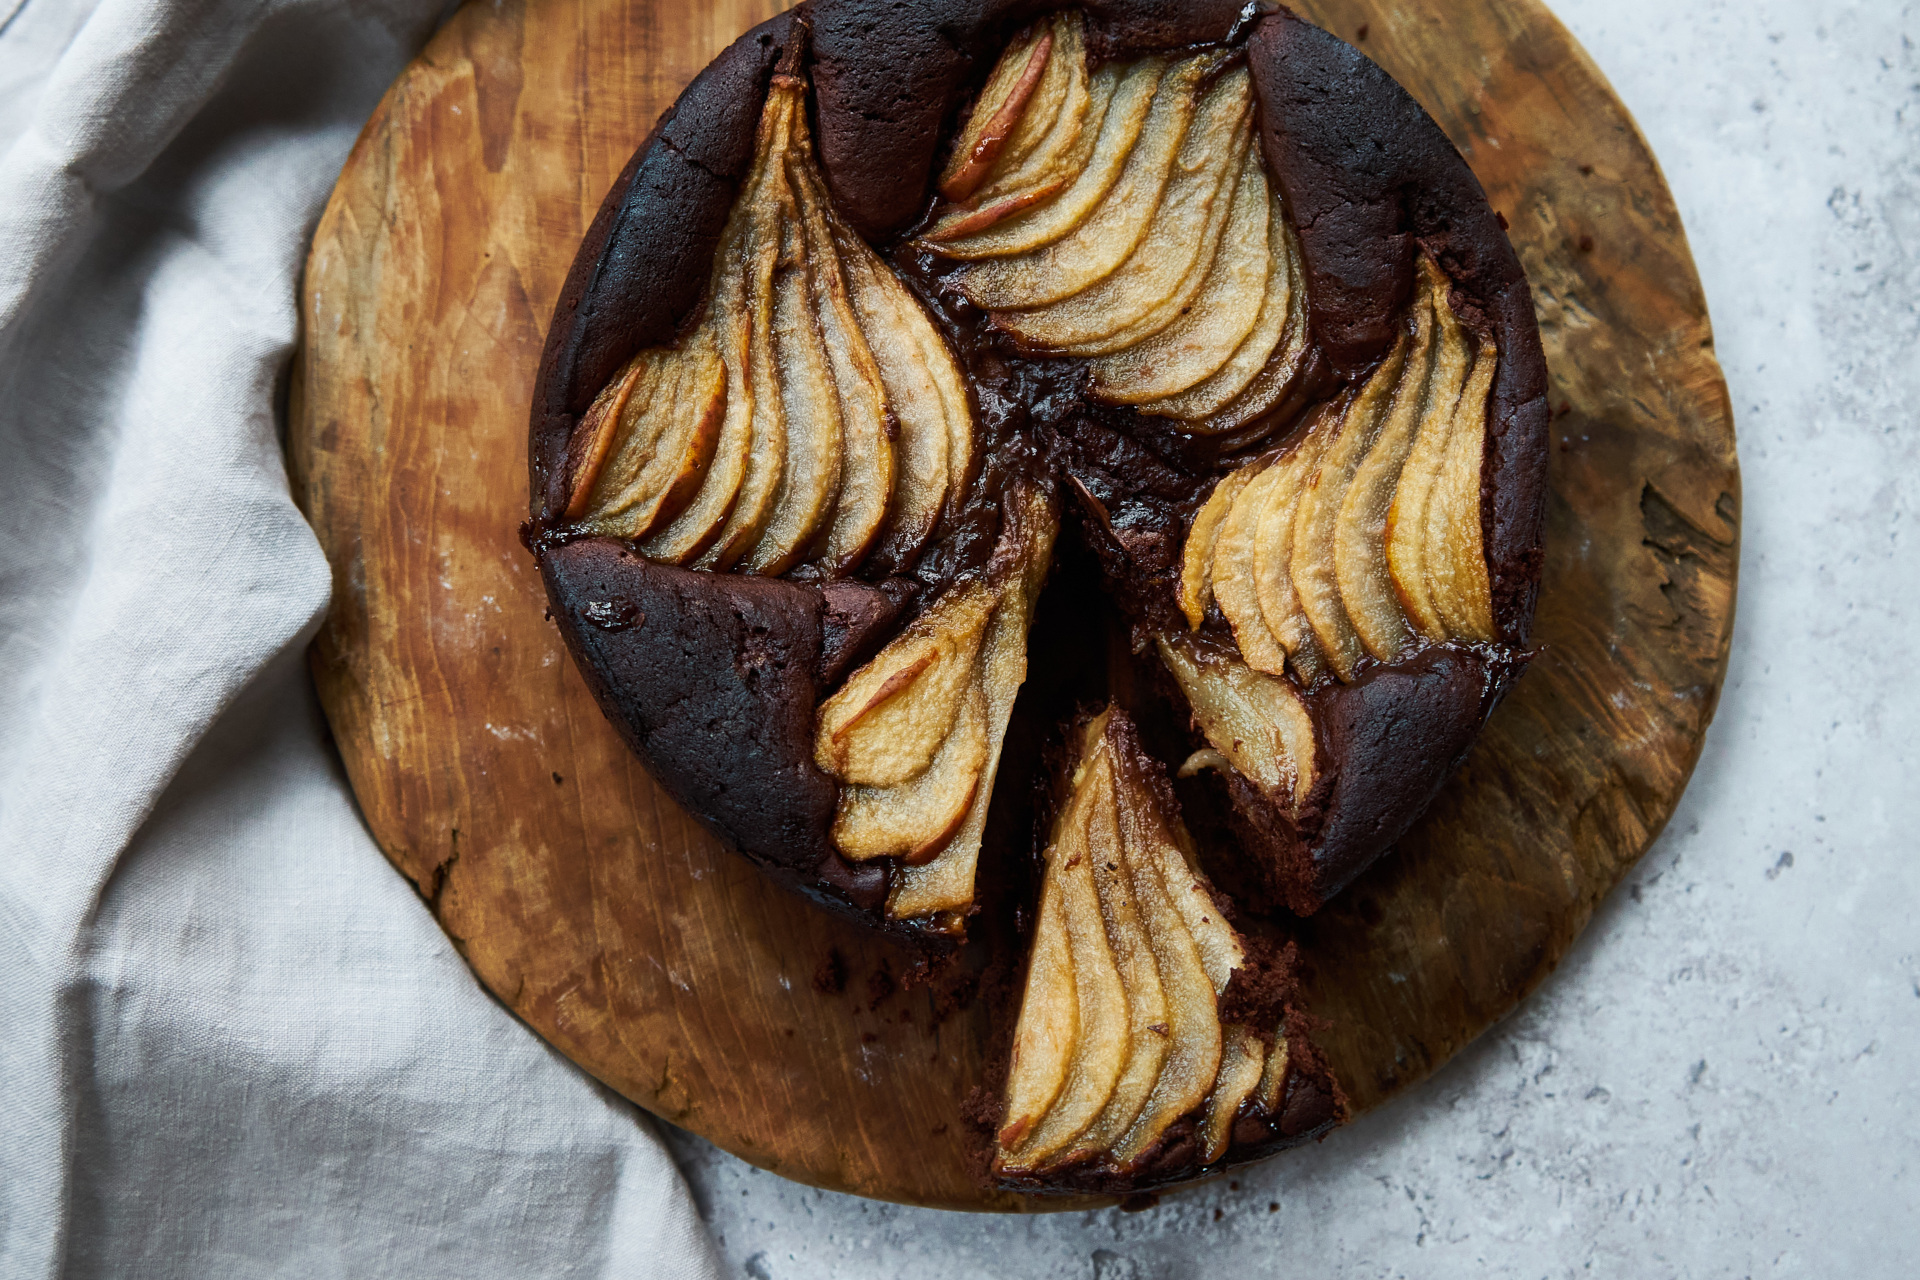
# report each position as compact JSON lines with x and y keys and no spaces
{"x":830,"y":979}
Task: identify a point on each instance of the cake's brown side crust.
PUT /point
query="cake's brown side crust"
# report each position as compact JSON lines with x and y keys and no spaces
{"x":643,"y":266}
{"x":731,"y":740}
{"x":1398,"y":733}
{"x":888,"y":77}
{"x":1367,"y":175}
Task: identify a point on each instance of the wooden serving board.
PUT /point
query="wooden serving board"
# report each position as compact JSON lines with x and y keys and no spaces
{"x":618,"y":928}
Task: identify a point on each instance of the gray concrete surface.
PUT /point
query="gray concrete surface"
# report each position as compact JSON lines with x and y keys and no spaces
{"x":1720,"y":1081}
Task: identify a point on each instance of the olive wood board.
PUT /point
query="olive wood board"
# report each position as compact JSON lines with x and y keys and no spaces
{"x":619,"y":929}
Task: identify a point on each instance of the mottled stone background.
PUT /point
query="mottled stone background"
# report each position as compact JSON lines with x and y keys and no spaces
{"x":1721,"y":1079}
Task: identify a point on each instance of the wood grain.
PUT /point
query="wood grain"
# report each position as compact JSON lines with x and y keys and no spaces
{"x":618,"y":929}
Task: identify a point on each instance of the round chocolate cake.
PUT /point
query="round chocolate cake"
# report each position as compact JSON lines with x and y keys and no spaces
{"x":1072,"y":476}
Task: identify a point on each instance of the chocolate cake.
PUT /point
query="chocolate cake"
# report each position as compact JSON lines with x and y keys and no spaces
{"x":900,"y":309}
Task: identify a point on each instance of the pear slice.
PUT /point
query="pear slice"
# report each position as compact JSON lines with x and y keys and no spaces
{"x":1108,"y":235}
{"x":1119,"y":99}
{"x":810,"y":404}
{"x":1148,"y":290}
{"x":1018,"y":570}
{"x":1360,"y":532}
{"x":1273,"y":328}
{"x":1241,"y":1063}
{"x":886,"y":722}
{"x":658,"y":442}
{"x":735,"y":502}
{"x":1456,"y":558}
{"x":1276,"y":378}
{"x":1101,"y":1050}
{"x":867,"y":457}
{"x":1273,"y":1078}
{"x":1273,"y":553}
{"x":1193,"y":1019}
{"x":915,"y":820}
{"x":1256,"y":722}
{"x":925,"y":391}
{"x":1219,"y":945}
{"x":688,"y":534}
{"x":593,"y":435}
{"x":1196,"y":557}
{"x":1216,"y":321}
{"x":1317,"y":521}
{"x":998,"y":112}
{"x":1052,"y":132}
{"x":1139,"y":972}
{"x":1049,"y":1025}
{"x":1233,"y":570}
{"x":1405,"y":529}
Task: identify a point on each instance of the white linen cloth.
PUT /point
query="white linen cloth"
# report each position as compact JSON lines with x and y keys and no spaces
{"x":232,"y":1041}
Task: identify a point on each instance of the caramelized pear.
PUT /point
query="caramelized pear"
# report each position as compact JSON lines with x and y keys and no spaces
{"x":1456,"y":558}
{"x":1240,"y":1069}
{"x":1360,"y":532}
{"x":1273,"y":552}
{"x":886,"y":722}
{"x":1257,"y":723}
{"x":1015,"y":575}
{"x":916,"y":819}
{"x":810,"y":406}
{"x":1216,"y":321}
{"x":1114,"y":227}
{"x":652,"y":445}
{"x":1147,"y":291}
{"x":1317,"y":520}
{"x":1233,"y":568}
{"x":1119,"y":100}
{"x":1049,"y":1025}
{"x":1268,"y":343}
{"x":1196,"y":557}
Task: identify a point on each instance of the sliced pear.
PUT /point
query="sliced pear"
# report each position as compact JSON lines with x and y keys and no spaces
{"x":1042,"y":150}
{"x":1360,"y":532}
{"x":1101,"y":1050}
{"x":1405,"y":524}
{"x":1049,"y":1025}
{"x":1215,"y":322}
{"x":1456,"y":558}
{"x":1233,"y":570}
{"x":810,"y":405}
{"x":1317,"y":520}
{"x":1108,"y":235}
{"x":1139,"y":974}
{"x":1020,"y":562}
{"x":1193,"y":1020}
{"x":1271,"y":385}
{"x":688,"y":534}
{"x":1274,"y":330}
{"x":884,"y":725}
{"x":661,"y":445}
{"x":1273,"y":1078}
{"x":1219,"y":945}
{"x":998,"y":112}
{"x":867,"y":454}
{"x":1147,"y":291}
{"x":925,"y":390}
{"x":1273,"y":553}
{"x":1256,"y":722}
{"x":1196,"y":558}
{"x":915,"y":820}
{"x":1241,"y":1063}
{"x":593,"y":435}
{"x":1119,"y":99}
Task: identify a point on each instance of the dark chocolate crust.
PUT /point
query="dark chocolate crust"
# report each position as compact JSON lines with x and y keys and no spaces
{"x":1367,"y":176}
{"x":731,"y":740}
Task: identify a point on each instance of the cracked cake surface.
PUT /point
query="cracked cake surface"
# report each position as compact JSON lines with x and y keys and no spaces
{"x":899,"y":305}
